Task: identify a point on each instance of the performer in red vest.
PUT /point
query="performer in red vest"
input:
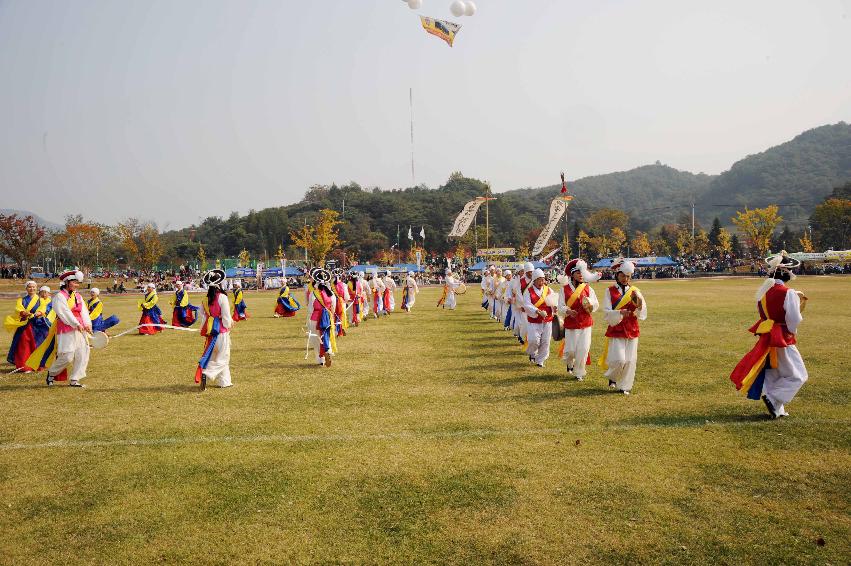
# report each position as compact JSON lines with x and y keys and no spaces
{"x":774,"y":369}
{"x":623,"y":307}
{"x":576,"y":301}
{"x":540,"y":303}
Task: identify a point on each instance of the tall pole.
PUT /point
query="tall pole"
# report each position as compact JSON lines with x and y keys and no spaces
{"x":305,"y":247}
{"x":411,"y":101}
{"x":487,"y":215}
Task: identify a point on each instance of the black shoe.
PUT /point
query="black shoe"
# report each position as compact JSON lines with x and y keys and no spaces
{"x":49,"y":380}
{"x":75,"y":384}
{"x":203,"y":381}
{"x":612,"y":384}
{"x":770,"y":406}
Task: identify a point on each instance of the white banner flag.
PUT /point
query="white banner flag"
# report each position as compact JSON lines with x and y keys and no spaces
{"x":557,"y":210}
{"x":462,"y":223}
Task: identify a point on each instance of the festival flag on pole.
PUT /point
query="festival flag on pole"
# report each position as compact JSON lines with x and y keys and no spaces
{"x":440,"y":28}
{"x":422,"y":232}
{"x":557,"y":209}
{"x":410,"y":237}
{"x":465,"y":218}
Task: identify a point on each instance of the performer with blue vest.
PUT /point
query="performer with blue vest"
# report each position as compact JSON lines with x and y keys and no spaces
{"x":286,"y":305}
{"x":28,"y":309}
{"x":151,"y":313}
{"x":183,"y":314}
{"x":95,"y":306}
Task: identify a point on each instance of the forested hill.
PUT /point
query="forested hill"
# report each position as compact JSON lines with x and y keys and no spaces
{"x":797,"y":175}
{"x":657,"y":193}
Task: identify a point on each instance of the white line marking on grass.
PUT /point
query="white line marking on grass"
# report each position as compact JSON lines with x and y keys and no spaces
{"x":405,"y":435}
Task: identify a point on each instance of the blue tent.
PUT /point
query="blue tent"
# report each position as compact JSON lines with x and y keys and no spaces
{"x":650,"y":261}
{"x":483,"y":264}
{"x":240,"y":272}
{"x":404,"y":267}
{"x":276,"y":272}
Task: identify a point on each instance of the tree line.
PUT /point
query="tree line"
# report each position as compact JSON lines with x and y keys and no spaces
{"x":371,"y":225}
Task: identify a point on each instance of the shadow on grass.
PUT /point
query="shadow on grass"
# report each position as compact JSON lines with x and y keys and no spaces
{"x":686,"y":421}
{"x":564,"y":394}
{"x":173,"y":388}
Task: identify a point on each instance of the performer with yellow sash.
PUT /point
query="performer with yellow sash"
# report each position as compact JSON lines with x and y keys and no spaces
{"x":240,"y":310}
{"x":623,"y":307}
{"x":95,"y":306}
{"x":151,"y":313}
{"x":216,"y":323}
{"x":29,"y":309}
{"x":66,"y":346}
{"x":183,"y":314}
{"x":539,"y":304}
{"x":355,"y":287}
{"x":774,"y":369}
{"x":576,"y":301}
{"x":42,"y":324}
{"x":286,"y":305}
{"x":450,"y":284}
{"x":320,"y":316}
{"x":341,"y":293}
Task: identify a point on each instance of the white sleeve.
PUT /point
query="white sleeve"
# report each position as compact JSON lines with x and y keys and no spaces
{"x":642,"y":313}
{"x":612,"y":317}
{"x":60,"y":307}
{"x":562,"y":300}
{"x":224,"y":304}
{"x":592,"y":298}
{"x":792,"y":304}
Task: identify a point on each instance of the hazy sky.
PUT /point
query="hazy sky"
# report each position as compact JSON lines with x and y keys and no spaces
{"x":175,"y":110}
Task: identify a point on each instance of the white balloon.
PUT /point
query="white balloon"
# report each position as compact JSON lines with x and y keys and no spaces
{"x":470,"y":8}
{"x":457,"y":8}
{"x":415,"y":4}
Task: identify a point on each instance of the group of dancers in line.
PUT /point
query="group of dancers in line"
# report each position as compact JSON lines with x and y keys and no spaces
{"x":772,"y":370}
{"x":52,"y":332}
{"x":524,"y":304}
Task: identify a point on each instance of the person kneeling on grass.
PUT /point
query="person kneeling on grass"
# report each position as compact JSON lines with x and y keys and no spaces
{"x":216,"y":323}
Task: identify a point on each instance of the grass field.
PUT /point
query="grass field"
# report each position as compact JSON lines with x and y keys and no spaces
{"x":432,"y":440}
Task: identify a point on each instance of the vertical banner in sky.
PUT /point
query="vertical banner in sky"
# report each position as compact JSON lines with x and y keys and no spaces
{"x":462,"y":223}
{"x":440,"y":28}
{"x":557,"y":209}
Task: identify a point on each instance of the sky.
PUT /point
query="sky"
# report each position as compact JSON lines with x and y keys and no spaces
{"x":173,"y":111}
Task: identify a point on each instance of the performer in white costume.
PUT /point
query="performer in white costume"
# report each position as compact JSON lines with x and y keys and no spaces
{"x":774,"y":369}
{"x":519,"y":286}
{"x":389,"y":298}
{"x":409,"y":292}
{"x":73,"y":324}
{"x":539,"y":304}
{"x":623,"y":307}
{"x":576,"y":301}
{"x":216,"y":325}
